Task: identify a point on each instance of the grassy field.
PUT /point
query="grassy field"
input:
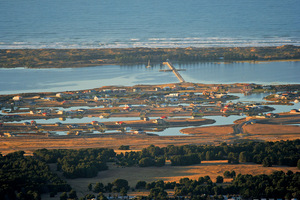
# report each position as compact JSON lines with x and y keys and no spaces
{"x":170,"y":173}
{"x":201,"y":135}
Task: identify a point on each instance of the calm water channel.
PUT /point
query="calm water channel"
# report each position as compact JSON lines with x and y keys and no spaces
{"x":21,"y":80}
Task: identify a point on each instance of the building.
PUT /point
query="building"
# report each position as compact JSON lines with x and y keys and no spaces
{"x":136,"y":90}
{"x":17,"y":98}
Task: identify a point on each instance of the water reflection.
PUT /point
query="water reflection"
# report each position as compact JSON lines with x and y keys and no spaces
{"x":21,"y":80}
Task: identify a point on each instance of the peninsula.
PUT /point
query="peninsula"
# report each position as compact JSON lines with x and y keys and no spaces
{"x":58,"y":58}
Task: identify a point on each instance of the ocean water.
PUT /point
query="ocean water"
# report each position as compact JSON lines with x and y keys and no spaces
{"x":148,"y":23}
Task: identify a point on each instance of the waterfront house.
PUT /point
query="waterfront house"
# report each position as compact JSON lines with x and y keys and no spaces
{"x":171,"y":95}
{"x":139,"y":131}
{"x":107,"y":90}
{"x":120,"y":123}
{"x":145,"y":118}
{"x":9,"y":134}
{"x":60,"y":112}
{"x":45,"y":114}
{"x":60,"y":95}
{"x":157,"y":89}
{"x":78,"y":133}
{"x":136,"y":90}
{"x":126,"y":108}
{"x":17,"y":98}
{"x":190,"y":88}
{"x":97,"y":98}
{"x":73,"y":126}
{"x":271,"y":115}
{"x":95,"y":123}
{"x":58,"y":124}
{"x":220,"y":95}
{"x":159,"y":121}
{"x":167,"y":88}
{"x":294,"y":111}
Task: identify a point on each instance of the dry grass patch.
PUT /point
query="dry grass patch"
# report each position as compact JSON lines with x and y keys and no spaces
{"x":208,"y":130}
{"x":173,"y":173}
{"x":269,"y":129}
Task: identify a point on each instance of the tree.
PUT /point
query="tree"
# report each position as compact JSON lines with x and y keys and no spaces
{"x":158,"y":193}
{"x":124,"y":147}
{"x":21,"y":196}
{"x":89,"y":196}
{"x":298,"y":164}
{"x":161,"y":161}
{"x":120,"y":183}
{"x":63,"y":196}
{"x":123,"y":192}
{"x":219,"y":179}
{"x":233,"y":158}
{"x":206,"y":178}
{"x":232,"y":174}
{"x":90,"y":187}
{"x":209,"y":155}
{"x":140,"y":185}
{"x":146,"y":162}
{"x":267,"y":162}
{"x":243,"y":157}
{"x":99,"y":187}
{"x":227,"y":174}
{"x":101,"y":196}
{"x":72,"y":194}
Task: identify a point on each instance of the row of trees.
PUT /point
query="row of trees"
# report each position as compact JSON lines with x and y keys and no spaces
{"x":266,"y":153}
{"x":276,"y":185}
{"x":23,"y":177}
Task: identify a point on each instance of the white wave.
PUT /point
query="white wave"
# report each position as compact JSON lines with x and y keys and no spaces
{"x":157,"y":43}
{"x":134,"y":39}
{"x":158,"y":39}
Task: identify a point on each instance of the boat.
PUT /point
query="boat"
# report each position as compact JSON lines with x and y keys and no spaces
{"x":148,"y":66}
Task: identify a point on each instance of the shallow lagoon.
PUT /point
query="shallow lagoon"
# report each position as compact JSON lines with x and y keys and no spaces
{"x":21,"y":80}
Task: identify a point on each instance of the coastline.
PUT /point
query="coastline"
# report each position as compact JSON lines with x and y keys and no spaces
{"x":73,"y":58}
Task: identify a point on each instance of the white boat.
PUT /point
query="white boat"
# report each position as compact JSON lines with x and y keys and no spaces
{"x":148,"y":66}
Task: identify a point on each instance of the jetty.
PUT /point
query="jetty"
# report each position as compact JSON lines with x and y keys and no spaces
{"x":174,"y":70}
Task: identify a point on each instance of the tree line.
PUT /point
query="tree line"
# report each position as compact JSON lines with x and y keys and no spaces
{"x":276,"y":185}
{"x":82,"y":163}
{"x":29,"y":176}
{"x":265,"y":153}
{"x":24,"y":177}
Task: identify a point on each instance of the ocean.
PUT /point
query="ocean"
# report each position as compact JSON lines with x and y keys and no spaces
{"x":148,"y":23}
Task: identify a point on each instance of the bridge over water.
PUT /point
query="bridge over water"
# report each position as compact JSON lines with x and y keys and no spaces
{"x":175,"y":71}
